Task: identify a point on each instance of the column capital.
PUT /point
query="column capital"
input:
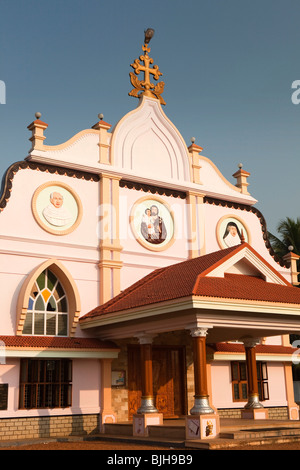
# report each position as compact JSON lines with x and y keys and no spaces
{"x":145,"y":338}
{"x":251,"y":342}
{"x":200,"y":331}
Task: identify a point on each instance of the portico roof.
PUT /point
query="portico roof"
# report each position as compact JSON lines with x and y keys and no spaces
{"x":235,"y":280}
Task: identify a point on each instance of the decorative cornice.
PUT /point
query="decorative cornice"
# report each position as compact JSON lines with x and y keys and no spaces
{"x":7,"y":181}
{"x":147,"y":188}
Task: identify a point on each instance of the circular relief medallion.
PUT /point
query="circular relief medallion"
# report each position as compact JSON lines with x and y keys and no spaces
{"x":230,"y":230}
{"x":56,"y":208}
{"x":152,"y":223}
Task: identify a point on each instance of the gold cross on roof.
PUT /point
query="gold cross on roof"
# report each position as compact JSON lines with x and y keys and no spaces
{"x":145,"y":87}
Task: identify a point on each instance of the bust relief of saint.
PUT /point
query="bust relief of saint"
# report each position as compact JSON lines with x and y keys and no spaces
{"x":55,"y":213}
{"x":232,"y":235}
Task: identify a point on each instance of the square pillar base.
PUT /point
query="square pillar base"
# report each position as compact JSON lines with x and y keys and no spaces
{"x":255,"y":413}
{"x":205,"y":426}
{"x":106,"y":417}
{"x":293,"y":412}
{"x":142,"y":421}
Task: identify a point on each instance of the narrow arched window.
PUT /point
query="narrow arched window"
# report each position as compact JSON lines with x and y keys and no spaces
{"x":47,"y":312}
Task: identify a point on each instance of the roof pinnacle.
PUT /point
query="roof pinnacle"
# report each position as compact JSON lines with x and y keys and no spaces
{"x":145,"y":87}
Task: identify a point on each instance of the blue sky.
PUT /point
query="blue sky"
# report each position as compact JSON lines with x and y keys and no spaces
{"x":228,"y":66}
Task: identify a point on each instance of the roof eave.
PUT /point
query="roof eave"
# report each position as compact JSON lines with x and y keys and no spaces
{"x":190,"y":303}
{"x":141,"y":312}
{"x":58,"y":353}
{"x":239,"y":356}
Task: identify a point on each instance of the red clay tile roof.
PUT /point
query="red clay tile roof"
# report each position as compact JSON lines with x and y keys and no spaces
{"x":188,"y":278}
{"x":49,"y":342}
{"x":260,"y":348}
{"x":237,"y":286}
{"x":162,"y":284}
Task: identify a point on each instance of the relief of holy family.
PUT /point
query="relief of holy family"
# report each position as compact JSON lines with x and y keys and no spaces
{"x":153,"y":227}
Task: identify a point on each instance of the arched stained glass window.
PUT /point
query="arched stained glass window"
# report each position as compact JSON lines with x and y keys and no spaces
{"x":47,"y":312}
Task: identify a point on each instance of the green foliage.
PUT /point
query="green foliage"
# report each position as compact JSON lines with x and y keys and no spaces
{"x":289,"y":233}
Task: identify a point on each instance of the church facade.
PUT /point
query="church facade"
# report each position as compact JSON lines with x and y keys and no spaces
{"x":137,"y":280}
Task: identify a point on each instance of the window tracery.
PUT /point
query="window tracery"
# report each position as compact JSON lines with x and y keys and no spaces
{"x":47,"y":312}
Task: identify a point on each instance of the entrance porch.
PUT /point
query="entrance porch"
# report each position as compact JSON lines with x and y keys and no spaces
{"x":227,"y":297}
{"x":172,"y":390}
{"x":168,"y":368}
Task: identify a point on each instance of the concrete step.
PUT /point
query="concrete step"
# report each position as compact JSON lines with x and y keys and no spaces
{"x":119,"y":429}
{"x":173,"y":435}
{"x":148,"y":441}
{"x":260,"y":433}
{"x":169,"y":432}
{"x":172,"y":432}
{"x":219,"y":444}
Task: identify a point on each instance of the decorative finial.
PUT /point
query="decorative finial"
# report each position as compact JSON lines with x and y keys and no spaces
{"x":38,"y":115}
{"x":145,"y":87}
{"x":241,"y":179}
{"x":100,"y":116}
{"x":193,"y":140}
{"x":242,"y":237}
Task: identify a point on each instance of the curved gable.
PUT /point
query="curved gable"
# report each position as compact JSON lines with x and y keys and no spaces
{"x":146,"y":143}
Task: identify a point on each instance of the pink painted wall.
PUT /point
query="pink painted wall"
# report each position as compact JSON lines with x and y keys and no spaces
{"x":17,"y":220}
{"x":25,"y":245}
{"x":86,"y":386}
{"x":86,"y":390}
{"x":222,"y":386}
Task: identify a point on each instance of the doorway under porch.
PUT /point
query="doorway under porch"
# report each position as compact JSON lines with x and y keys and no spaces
{"x":173,"y":377}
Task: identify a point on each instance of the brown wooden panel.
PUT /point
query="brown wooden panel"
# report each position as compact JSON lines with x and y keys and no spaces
{"x":169,"y":387}
{"x":134,"y":381}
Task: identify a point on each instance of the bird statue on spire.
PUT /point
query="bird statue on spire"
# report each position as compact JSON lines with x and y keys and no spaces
{"x":149,"y":33}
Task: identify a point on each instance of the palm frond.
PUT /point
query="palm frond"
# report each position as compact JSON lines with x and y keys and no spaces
{"x":278,"y":246}
{"x":289,"y":230}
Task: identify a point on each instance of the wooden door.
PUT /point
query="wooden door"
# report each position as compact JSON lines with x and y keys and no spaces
{"x":169,"y":384}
